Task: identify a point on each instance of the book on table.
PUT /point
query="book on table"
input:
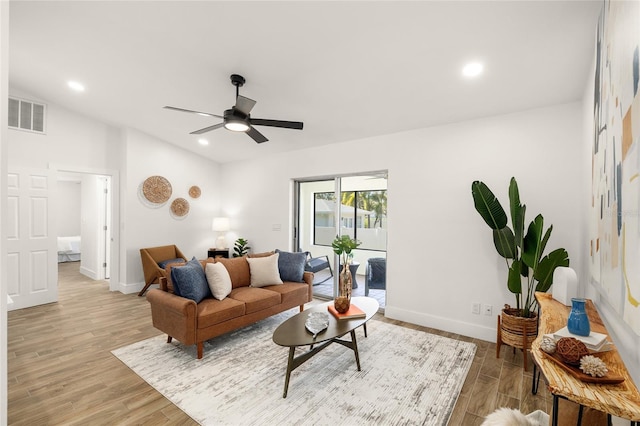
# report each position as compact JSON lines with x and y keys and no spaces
{"x":594,"y":341}
{"x":352,"y":313}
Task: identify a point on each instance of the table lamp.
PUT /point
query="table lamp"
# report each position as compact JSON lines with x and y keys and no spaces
{"x":221,"y":225}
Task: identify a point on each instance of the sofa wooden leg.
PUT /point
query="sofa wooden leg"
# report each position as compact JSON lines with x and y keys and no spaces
{"x":200,"y":346}
{"x":169,"y":338}
{"x":301,"y":308}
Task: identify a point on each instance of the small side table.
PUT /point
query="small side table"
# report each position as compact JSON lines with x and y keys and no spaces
{"x":213,"y":252}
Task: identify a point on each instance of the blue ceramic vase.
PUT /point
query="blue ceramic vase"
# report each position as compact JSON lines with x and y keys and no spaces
{"x":578,"y":322}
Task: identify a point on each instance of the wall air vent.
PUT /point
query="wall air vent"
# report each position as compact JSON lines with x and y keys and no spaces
{"x":26,"y":115}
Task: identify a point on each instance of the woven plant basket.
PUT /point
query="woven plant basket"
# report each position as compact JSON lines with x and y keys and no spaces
{"x":512,"y":328}
{"x":516,"y":331}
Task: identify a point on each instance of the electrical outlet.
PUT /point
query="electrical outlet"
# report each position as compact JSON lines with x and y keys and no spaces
{"x":475,"y":308}
{"x":488,"y":310}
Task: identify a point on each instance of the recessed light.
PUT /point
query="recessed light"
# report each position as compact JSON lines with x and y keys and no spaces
{"x":472,"y":69}
{"x":203,"y":142}
{"x":74,"y":85}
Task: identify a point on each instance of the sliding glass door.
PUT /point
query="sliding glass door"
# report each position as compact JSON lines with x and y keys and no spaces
{"x":344,"y":205}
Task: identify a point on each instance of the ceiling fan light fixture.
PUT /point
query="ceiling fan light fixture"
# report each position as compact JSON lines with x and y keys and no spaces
{"x":236,"y":125}
{"x":235,"y":121}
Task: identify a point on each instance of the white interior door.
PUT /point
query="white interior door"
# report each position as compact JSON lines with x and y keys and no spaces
{"x":32,"y":273}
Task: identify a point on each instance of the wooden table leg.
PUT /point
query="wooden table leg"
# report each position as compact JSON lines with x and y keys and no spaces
{"x":292,"y":351}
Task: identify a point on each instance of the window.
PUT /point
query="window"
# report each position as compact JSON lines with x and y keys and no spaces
{"x":362,"y":216}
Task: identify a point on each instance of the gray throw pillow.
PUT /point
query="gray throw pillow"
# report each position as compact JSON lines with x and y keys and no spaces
{"x":190,"y":281}
{"x":291,"y":265}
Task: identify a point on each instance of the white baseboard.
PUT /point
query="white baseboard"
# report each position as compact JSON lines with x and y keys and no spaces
{"x":88,"y":273}
{"x":441,"y":323}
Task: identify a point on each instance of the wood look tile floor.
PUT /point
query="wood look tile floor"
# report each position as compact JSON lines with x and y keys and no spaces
{"x":61,"y":370}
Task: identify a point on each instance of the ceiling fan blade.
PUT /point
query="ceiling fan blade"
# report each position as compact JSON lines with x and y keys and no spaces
{"x":207,"y":129}
{"x":277,"y":123}
{"x":207,"y":114}
{"x":244,"y":105}
{"x":256,"y":135}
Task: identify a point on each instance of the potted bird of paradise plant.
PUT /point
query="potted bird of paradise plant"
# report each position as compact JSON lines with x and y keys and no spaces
{"x":528,"y":269}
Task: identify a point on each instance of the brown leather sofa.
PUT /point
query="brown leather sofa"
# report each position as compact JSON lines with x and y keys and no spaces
{"x":194,"y":323}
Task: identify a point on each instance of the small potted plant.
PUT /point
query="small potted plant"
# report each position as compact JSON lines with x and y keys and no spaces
{"x":241,"y":247}
{"x":523,"y":255}
{"x":344,"y":246}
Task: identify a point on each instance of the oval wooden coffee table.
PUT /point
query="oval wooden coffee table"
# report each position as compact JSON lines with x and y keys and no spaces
{"x":292,"y":333}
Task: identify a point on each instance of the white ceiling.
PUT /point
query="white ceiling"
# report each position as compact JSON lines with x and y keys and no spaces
{"x":348,"y":70}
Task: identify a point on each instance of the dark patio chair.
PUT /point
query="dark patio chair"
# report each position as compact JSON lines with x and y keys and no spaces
{"x":317,"y":264}
{"x":376,"y":274}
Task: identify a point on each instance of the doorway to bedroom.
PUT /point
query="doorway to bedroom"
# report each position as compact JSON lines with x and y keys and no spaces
{"x":83,"y":222}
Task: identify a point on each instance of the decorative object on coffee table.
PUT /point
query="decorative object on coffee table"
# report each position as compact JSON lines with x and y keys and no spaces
{"x":317,"y":323}
{"x":344,"y":246}
{"x":156,"y":189}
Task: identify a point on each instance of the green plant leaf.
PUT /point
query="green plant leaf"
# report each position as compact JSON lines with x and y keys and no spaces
{"x":517,"y":213}
{"x":531,"y":250}
{"x":547,"y":266}
{"x":504,"y":242}
{"x":488,"y":206}
{"x":514,"y":284}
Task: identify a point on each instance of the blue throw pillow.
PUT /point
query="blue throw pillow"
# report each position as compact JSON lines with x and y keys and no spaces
{"x":291,"y":265}
{"x":189,"y":281}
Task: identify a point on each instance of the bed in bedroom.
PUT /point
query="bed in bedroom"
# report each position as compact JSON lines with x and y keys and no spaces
{"x":68,"y":249}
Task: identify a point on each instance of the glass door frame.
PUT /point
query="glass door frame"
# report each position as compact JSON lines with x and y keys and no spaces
{"x":337,"y":185}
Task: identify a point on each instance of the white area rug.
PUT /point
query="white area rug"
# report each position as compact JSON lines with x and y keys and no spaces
{"x":408,"y":377}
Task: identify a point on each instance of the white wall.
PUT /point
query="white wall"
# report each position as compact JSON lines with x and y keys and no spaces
{"x":441,"y":256}
{"x":145,"y":226}
{"x":71,"y":139}
{"x":68,"y":209}
{"x":4,"y":92}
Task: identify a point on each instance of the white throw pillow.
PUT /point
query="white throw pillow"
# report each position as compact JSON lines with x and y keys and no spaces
{"x":218,"y":279}
{"x":264,"y":270}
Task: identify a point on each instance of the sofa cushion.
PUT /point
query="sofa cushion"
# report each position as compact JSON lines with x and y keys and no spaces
{"x":264,"y":270}
{"x":212,"y":311}
{"x":291,"y":292}
{"x":262,"y":254}
{"x":189,"y":281}
{"x":291,"y":265}
{"x":238,"y":269}
{"x":218,"y":279}
{"x":255,"y":299}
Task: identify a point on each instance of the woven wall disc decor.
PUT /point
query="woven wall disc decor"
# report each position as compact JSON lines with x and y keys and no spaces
{"x":156,"y":189}
{"x":180,"y":207}
{"x":194,"y":191}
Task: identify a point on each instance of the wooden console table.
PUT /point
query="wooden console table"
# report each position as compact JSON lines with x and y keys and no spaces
{"x":621,"y":400}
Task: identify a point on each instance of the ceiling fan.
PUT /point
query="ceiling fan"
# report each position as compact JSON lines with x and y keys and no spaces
{"x":238,"y":118}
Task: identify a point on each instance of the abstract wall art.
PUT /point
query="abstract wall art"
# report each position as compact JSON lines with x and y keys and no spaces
{"x":615,"y":196}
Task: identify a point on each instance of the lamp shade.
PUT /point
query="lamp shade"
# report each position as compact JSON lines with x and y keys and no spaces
{"x":220,"y":224}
